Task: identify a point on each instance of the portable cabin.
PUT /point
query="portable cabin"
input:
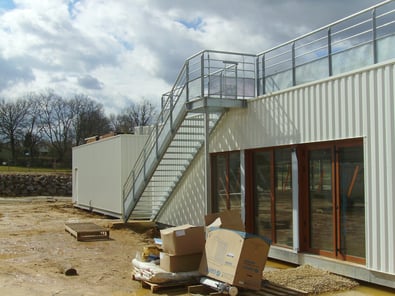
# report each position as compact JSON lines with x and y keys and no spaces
{"x":100,"y":168}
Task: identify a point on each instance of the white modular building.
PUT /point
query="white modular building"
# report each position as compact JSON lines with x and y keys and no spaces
{"x":100,"y":169}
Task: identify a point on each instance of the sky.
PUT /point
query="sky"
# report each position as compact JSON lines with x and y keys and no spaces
{"x":121,"y":51}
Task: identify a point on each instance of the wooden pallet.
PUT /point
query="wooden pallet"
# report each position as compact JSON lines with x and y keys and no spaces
{"x":177,"y":285}
{"x":87,"y":231}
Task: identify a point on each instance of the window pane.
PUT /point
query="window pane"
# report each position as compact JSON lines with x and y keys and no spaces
{"x":219,"y":183}
{"x":320,"y":194}
{"x":283,"y":197}
{"x":352,"y":201}
{"x":234,"y":181}
{"x":226,"y":181}
{"x":262,"y":193}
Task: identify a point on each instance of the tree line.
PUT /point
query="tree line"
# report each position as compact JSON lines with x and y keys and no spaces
{"x":40,"y":129}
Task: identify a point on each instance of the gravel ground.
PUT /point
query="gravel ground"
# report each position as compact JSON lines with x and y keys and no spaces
{"x":309,"y":279}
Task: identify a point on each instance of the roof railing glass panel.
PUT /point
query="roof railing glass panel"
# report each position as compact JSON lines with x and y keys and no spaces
{"x":360,"y":40}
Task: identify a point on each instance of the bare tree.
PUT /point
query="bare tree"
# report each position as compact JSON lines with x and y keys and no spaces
{"x":137,"y":114}
{"x":89,"y":118}
{"x":33,"y":131}
{"x":13,"y":117}
{"x":142,"y":113}
{"x":56,"y":119}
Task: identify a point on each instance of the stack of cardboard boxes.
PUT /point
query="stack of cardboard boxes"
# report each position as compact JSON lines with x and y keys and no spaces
{"x":231,"y":255}
{"x":183,"y":247}
{"x":221,"y":250}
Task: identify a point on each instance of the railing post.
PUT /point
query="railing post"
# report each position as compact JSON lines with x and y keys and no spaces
{"x":171,"y":112}
{"x":293,"y":65}
{"x":145,"y":161}
{"x":162,"y":108}
{"x":236,"y":82}
{"x":257,"y":83}
{"x":263,"y":74}
{"x":187,"y":80}
{"x":374,"y":36}
{"x":202,"y":75}
{"x":156,"y":141}
{"x":330,"y":69}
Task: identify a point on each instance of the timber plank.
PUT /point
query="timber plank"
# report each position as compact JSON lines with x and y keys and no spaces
{"x":87,"y":231}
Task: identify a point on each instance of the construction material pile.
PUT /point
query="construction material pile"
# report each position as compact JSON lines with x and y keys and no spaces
{"x":309,"y":279}
{"x":220,"y":250}
{"x":227,"y":257}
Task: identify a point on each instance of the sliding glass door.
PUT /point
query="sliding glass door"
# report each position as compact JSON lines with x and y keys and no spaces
{"x":336,"y":205}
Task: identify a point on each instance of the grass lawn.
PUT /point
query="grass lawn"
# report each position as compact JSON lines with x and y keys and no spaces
{"x":4,"y":169}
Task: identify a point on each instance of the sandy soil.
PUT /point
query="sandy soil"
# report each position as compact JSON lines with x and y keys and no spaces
{"x":34,"y":246}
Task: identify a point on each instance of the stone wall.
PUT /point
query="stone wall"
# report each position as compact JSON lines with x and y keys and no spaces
{"x":35,"y":185}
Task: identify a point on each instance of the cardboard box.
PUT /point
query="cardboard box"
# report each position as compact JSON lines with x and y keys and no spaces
{"x":229,"y":219}
{"x":183,"y":240}
{"x":180,"y":263}
{"x":235,"y":257}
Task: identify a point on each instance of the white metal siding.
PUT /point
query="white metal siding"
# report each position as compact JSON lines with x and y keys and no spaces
{"x":94,"y":183}
{"x":102,"y":168}
{"x":358,"y":104}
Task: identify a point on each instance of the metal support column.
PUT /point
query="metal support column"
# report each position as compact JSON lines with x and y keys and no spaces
{"x":207,"y":165}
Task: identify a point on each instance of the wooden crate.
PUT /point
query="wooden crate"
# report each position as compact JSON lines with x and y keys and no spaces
{"x":87,"y":231}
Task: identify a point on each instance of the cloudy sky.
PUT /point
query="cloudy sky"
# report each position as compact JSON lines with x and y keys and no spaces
{"x":118,"y":51}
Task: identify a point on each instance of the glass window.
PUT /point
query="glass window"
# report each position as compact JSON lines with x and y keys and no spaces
{"x":263,"y":193}
{"x":273,"y":195}
{"x":226,"y":181}
{"x":283,"y":196}
{"x":219,"y":182}
{"x":234,"y":181}
{"x":320,"y":199}
{"x":352,"y":201}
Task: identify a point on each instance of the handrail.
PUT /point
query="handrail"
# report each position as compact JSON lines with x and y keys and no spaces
{"x":344,"y":45}
{"x":327,"y":26}
{"x":198,"y":70}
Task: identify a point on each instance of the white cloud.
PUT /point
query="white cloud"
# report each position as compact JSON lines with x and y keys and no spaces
{"x":117,"y":51}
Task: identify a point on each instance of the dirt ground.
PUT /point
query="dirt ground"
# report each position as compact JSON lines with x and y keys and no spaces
{"x":34,"y":247}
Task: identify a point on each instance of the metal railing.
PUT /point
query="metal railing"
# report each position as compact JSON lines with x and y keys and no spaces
{"x":362,"y":39}
{"x":210,"y":74}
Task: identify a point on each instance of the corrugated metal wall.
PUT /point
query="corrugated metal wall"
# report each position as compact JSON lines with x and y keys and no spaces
{"x":358,"y":104}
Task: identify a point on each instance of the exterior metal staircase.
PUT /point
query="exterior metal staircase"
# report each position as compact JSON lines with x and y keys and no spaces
{"x":209,"y":83}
